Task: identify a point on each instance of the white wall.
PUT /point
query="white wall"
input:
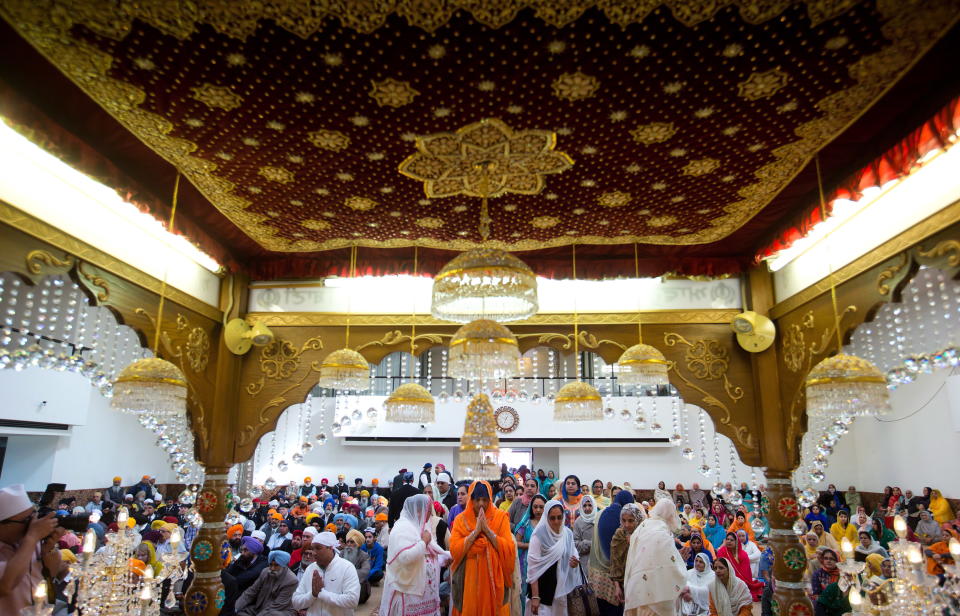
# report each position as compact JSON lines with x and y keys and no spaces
{"x":100,"y":444}
{"x":916,"y":445}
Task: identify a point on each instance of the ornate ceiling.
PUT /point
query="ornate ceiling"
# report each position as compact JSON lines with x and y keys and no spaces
{"x":312,"y":126}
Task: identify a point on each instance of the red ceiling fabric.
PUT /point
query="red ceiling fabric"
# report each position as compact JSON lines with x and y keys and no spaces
{"x":938,"y":132}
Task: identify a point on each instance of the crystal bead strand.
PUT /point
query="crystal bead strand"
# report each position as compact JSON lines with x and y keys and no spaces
{"x":704,"y":469}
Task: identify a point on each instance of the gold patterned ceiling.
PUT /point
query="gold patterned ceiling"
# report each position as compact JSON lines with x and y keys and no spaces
{"x":309,"y":125}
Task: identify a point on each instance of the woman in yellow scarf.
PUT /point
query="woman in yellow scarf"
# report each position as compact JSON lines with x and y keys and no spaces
{"x":940,"y":507}
{"x":147,"y":553}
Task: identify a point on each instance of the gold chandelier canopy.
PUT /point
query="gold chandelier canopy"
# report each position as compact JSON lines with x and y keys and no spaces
{"x":846,"y":385}
{"x":484,"y":283}
{"x":578,"y":401}
{"x":485,"y":350}
{"x":643,"y":364}
{"x":150,"y":385}
{"x":345,"y":370}
{"x":479,"y":446}
{"x":410,"y":403}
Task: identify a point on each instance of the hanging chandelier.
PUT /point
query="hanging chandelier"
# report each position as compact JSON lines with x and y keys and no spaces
{"x":477,"y":456}
{"x":150,"y":385}
{"x":410,"y":403}
{"x":484,"y":283}
{"x":483,"y":350}
{"x":346,"y":369}
{"x":846,"y":385}
{"x":642,"y":364}
{"x":577,"y":401}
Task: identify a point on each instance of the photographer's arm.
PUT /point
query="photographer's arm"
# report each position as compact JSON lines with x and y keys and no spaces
{"x":19,"y":564}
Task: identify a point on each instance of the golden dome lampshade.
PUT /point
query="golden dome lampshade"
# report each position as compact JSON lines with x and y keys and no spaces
{"x":642,"y":364}
{"x":410,"y":403}
{"x":345,"y":370}
{"x":846,"y":385}
{"x":484,"y":283}
{"x":578,"y":401}
{"x":150,"y":385}
{"x":483,"y":349}
{"x":477,"y":457}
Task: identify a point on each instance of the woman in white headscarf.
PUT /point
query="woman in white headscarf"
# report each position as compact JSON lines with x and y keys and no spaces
{"x":695,"y":599}
{"x":729,"y":595}
{"x":583,"y":530}
{"x":412,"y":583}
{"x":656,"y":573}
{"x":553,"y":568}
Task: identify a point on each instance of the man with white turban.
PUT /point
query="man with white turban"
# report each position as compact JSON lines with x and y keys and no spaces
{"x":330,"y":586}
{"x":655,"y":574}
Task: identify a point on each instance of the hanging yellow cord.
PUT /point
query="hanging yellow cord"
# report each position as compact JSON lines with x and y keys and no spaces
{"x":163,"y":284}
{"x":413,"y":315}
{"x":636,"y":273}
{"x":576,"y":329}
{"x":833,"y":283}
{"x":351,"y":272}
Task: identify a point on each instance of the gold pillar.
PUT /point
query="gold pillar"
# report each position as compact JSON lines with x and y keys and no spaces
{"x":206,"y":595}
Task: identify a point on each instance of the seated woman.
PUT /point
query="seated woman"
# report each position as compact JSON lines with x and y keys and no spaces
{"x":741,"y":521}
{"x":868,"y":546}
{"x":692,"y":549}
{"x":882,"y":534}
{"x":823,"y":537}
{"x":661,"y":492}
{"x":928,"y":531}
{"x":729,"y":596}
{"x":939,"y":507}
{"x":753,"y":552}
{"x":827,"y":574}
{"x":810,"y":548}
{"x":713,"y":531}
{"x":740,"y":563}
{"x":695,"y":598}
{"x":815,"y":515}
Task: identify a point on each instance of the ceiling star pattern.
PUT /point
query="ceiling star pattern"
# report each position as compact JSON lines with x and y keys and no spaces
{"x":686,"y":118}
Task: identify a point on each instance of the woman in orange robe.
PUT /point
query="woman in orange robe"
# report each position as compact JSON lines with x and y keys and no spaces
{"x":484,"y":556}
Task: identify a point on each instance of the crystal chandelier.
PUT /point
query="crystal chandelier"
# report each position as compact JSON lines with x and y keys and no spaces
{"x":113,"y":581}
{"x":484,"y":283}
{"x":345,"y":369}
{"x":479,"y":445}
{"x":484,"y":350}
{"x":411,"y":402}
{"x":642,"y":364}
{"x":577,"y":401}
{"x":846,"y":385}
{"x":150,"y":385}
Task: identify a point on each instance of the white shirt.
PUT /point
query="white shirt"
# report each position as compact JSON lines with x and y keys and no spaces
{"x":276,"y":539}
{"x":753,"y":553}
{"x":340,"y":594}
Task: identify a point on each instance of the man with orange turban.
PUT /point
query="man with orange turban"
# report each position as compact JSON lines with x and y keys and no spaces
{"x":234,"y":537}
{"x":484,"y":555}
{"x":115,"y":493}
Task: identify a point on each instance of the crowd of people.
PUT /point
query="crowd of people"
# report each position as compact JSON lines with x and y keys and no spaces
{"x":527,"y":543}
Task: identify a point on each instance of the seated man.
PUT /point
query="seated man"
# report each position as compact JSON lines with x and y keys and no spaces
{"x":242,"y":572}
{"x":375,"y":552}
{"x":360,"y":559}
{"x":272,"y":593}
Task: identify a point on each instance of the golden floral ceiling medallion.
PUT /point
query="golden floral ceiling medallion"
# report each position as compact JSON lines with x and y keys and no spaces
{"x":315,"y":225}
{"x":544,"y":222}
{"x":361,"y":204}
{"x":575,"y":86}
{"x":332,"y":140}
{"x":276,"y":174}
{"x":429,"y":222}
{"x":614,"y":198}
{"x":762,"y":85}
{"x":393,"y":93}
{"x":448,"y":164}
{"x":661,"y":221}
{"x":217,"y":97}
{"x":701,"y":166}
{"x":655,"y":132}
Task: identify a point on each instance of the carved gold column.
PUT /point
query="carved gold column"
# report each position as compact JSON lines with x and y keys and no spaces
{"x":790,"y":560}
{"x":206,"y":595}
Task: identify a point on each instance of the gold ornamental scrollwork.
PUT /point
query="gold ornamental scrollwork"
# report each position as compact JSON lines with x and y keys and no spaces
{"x":794,"y":343}
{"x":946,"y":250}
{"x":103,"y":294}
{"x":890,"y":274}
{"x":395,"y":337}
{"x":197,"y":347}
{"x":585,"y":339}
{"x":37,"y":259}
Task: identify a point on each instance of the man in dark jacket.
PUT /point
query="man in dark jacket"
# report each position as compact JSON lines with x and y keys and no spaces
{"x":399,"y":496}
{"x":242,"y":573}
{"x":272,"y":592}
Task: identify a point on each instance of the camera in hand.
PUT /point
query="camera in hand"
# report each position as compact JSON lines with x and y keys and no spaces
{"x":75,"y":523}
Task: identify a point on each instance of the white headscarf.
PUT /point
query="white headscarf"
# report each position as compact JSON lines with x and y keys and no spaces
{"x":587,"y":517}
{"x":406,"y":574}
{"x":548,"y":547}
{"x":729,"y":598}
{"x":699,"y":582}
{"x":666,"y":510}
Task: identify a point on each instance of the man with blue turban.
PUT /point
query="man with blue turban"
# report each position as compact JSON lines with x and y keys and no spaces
{"x":272,"y":593}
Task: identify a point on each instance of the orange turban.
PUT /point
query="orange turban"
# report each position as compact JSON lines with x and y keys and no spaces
{"x":381,"y":517}
{"x":234,"y":530}
{"x":331,"y":527}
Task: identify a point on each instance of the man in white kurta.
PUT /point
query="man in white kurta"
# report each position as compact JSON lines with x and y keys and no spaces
{"x":330,"y":586}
